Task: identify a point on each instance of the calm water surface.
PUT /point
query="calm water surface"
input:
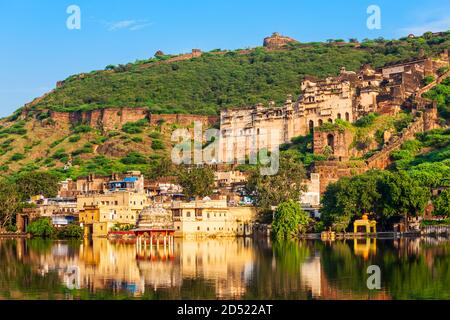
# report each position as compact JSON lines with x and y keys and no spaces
{"x":224,"y":269}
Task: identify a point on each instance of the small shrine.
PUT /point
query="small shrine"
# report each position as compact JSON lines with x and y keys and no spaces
{"x":370,"y":226}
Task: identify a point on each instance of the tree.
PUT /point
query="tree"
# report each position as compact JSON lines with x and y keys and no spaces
{"x":10,"y":203}
{"x":37,"y":183}
{"x":402,"y":196}
{"x":71,"y":231}
{"x":289,"y":220}
{"x":442,"y":204}
{"x":287,"y":185}
{"x":163,"y":168}
{"x":196,"y":182}
{"x":41,"y":228}
{"x":350,"y":198}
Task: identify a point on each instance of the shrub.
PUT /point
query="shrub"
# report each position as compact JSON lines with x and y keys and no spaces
{"x":84,"y":150}
{"x":74,"y":138}
{"x":366,"y":121}
{"x":155,"y":135}
{"x":42,"y":228}
{"x":137,"y":139}
{"x":427,"y":80}
{"x":134,"y":127}
{"x":17,"y":157}
{"x":82,"y":129}
{"x":55,"y":143}
{"x":131,"y":128}
{"x":60,"y":154}
{"x":113,"y":134}
{"x":157,"y":145}
{"x":71,"y":231}
{"x":134,"y":158}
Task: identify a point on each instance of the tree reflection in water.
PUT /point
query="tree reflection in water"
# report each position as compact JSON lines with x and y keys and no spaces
{"x":225,"y":269}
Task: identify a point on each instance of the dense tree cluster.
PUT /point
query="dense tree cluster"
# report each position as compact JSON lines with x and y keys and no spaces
{"x":196,"y":182}
{"x":383,"y":195}
{"x":15,"y":191}
{"x":271,"y":190}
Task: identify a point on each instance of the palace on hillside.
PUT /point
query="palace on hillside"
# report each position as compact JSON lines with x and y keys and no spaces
{"x":348,"y":96}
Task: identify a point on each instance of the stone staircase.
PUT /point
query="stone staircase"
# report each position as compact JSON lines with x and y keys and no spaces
{"x":421,"y":124}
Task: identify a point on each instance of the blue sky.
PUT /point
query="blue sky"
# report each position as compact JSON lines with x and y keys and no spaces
{"x":37,"y":49}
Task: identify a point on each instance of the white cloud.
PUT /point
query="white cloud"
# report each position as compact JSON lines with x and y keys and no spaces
{"x":442,"y":24}
{"x":132,"y":25}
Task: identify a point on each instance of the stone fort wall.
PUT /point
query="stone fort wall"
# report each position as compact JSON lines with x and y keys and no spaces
{"x":115,"y":118}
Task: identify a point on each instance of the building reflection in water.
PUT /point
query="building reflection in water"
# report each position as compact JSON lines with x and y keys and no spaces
{"x":100,"y":264}
{"x":365,"y":247}
{"x":231,"y":268}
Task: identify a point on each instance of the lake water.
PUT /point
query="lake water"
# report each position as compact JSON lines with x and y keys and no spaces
{"x":224,"y":269}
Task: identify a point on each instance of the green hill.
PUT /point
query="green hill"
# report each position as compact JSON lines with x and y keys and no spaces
{"x":200,"y":85}
{"x":220,"y":79}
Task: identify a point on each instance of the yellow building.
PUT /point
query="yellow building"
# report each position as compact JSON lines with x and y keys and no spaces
{"x":212,"y":218}
{"x":100,"y":212}
{"x":90,"y":220}
{"x":368,"y":225}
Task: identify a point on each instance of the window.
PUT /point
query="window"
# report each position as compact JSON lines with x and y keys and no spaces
{"x":311,"y":125}
{"x":320,"y":122}
{"x":347,"y":116}
{"x":330,"y":141}
{"x":339,"y":116}
{"x":198,"y":228}
{"x":188,"y":214}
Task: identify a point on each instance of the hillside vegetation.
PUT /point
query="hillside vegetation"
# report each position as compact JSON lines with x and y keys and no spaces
{"x":200,"y":85}
{"x":221,"y":79}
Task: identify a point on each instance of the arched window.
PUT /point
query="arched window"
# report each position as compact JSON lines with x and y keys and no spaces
{"x":330,"y":120}
{"x":311,"y":126}
{"x":339,"y":116}
{"x":330,"y":141}
{"x":347,"y":116}
{"x":320,"y":122}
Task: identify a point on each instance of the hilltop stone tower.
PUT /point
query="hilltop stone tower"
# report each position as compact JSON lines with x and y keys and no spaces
{"x":277,"y":41}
